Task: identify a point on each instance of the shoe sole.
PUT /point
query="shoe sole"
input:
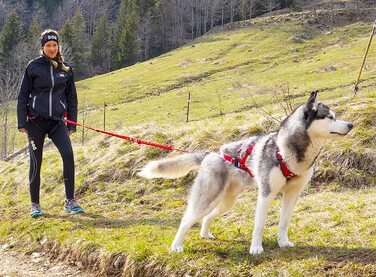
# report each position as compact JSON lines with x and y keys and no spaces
{"x":36,"y":215}
{"x":73,"y":212}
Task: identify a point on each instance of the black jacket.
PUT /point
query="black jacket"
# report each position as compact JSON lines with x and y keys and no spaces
{"x":47,"y":92}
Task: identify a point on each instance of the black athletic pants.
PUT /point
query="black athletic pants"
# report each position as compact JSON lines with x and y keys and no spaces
{"x":57,"y":131}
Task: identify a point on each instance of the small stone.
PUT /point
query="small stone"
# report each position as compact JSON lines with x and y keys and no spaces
{"x":330,"y":68}
{"x":36,"y":255}
{"x":43,"y":241}
{"x":56,"y":268}
{"x":5,"y":247}
{"x":296,"y":39}
{"x":79,"y":264}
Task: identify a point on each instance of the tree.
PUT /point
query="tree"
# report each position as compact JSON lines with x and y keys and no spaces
{"x":74,"y":36}
{"x":233,"y":9}
{"x":271,"y":5}
{"x":243,"y":9}
{"x":93,"y":11}
{"x":252,"y":8}
{"x":9,"y":83}
{"x":126,"y":37}
{"x":101,"y":47}
{"x":147,"y":27}
{"x":12,"y":34}
{"x":34,"y":32}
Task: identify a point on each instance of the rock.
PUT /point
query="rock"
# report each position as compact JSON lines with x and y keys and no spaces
{"x":295,"y":50}
{"x":299,"y":38}
{"x":328,"y":33}
{"x":43,"y":241}
{"x":296,"y":39}
{"x":79,"y":264}
{"x":330,"y":68}
{"x":5,"y":247}
{"x":36,"y":255}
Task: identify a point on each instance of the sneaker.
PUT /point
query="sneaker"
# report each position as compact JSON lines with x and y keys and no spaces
{"x":72,"y":207}
{"x":36,"y":210}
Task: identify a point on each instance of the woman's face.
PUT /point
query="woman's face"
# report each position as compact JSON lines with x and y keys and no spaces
{"x":50,"y":49}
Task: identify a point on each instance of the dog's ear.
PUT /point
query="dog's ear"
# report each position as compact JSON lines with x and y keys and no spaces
{"x":312,"y":101}
{"x":311,"y":104}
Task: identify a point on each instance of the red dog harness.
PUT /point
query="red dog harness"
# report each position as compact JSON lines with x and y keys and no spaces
{"x":241,"y":163}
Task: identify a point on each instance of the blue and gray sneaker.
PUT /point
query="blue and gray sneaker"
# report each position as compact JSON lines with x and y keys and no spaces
{"x":36,"y":210}
{"x":71,"y":207}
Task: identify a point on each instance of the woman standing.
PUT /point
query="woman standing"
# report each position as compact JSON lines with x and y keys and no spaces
{"x":48,"y":93}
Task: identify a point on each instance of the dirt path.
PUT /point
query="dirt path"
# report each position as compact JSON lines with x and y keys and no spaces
{"x":14,"y":264}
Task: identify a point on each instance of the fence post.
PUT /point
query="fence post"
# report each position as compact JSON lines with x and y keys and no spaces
{"x":189,"y":101}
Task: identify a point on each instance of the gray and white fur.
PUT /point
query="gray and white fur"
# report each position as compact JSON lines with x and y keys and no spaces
{"x":218,"y":183}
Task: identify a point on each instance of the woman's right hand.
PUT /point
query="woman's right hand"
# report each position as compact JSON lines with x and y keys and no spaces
{"x":22,"y":130}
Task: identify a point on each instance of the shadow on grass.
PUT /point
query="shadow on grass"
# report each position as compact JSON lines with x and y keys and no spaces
{"x":98,"y":221}
{"x":333,"y":254}
{"x":235,"y":250}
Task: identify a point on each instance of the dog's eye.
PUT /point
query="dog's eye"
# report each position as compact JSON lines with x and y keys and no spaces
{"x":331,"y":117}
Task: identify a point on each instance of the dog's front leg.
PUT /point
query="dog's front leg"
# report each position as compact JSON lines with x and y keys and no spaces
{"x":263,"y":204}
{"x":290,"y":197}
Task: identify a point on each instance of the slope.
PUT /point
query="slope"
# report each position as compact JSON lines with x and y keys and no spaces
{"x":131,"y":221}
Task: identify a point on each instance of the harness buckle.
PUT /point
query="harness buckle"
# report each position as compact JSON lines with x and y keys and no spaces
{"x":236,"y":162}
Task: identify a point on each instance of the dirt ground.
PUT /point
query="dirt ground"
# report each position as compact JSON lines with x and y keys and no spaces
{"x":15,"y":264}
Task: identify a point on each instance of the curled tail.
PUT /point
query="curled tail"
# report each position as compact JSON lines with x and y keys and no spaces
{"x":173,"y":167}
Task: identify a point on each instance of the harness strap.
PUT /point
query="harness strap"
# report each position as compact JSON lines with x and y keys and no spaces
{"x":285,"y":170}
{"x":241,"y":163}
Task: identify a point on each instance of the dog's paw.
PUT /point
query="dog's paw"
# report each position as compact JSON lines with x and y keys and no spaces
{"x":285,"y":243}
{"x":255,"y":250}
{"x":176,"y":248}
{"x":208,"y":236}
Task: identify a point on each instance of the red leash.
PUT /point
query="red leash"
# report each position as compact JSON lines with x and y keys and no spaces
{"x":166,"y":147}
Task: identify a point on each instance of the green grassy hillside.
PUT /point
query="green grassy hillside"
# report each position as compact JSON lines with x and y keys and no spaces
{"x":130,"y":221}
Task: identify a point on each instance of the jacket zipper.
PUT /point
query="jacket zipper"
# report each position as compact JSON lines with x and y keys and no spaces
{"x":35,"y":97}
{"x":63,"y":105}
{"x":52,"y":87}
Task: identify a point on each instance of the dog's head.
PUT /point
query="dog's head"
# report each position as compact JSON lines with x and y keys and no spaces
{"x":321,"y":122}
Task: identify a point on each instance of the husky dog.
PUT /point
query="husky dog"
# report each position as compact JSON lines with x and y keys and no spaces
{"x":280,"y":161}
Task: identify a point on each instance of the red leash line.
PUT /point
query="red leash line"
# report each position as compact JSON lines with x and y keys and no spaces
{"x":153,"y":144}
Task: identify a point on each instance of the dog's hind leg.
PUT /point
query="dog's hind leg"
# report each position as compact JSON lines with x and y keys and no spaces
{"x":206,"y":193}
{"x":221,"y":208}
{"x":186,"y":223}
{"x":191,"y":216}
{"x":224,"y":205}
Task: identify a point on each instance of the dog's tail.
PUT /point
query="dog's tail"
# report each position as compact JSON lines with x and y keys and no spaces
{"x":173,"y":167}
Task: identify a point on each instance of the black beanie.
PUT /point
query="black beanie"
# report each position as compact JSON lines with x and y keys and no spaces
{"x":49,"y":36}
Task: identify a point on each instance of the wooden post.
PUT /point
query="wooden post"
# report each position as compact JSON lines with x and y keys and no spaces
{"x":364,"y":58}
{"x":104,"y":116}
{"x":83,"y":129}
{"x":188,"y":102}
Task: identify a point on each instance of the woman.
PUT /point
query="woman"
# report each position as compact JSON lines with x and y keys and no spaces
{"x":47,"y":93}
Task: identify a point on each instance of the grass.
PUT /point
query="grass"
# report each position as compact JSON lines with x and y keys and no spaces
{"x":226,"y":67}
{"x":130,"y":222}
